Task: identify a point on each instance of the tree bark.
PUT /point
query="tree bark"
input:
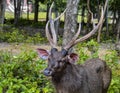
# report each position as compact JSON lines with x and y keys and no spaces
{"x":89,"y":16}
{"x":57,"y":23}
{"x":17,"y":13}
{"x":113,"y":22}
{"x":118,"y":26}
{"x":82,"y":19}
{"x":36,"y":10}
{"x":47,"y":12}
{"x":106,"y":21}
{"x":70,"y":21}
{"x":2,"y":13}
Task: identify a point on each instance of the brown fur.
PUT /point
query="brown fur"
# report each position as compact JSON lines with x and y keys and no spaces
{"x":92,"y":77}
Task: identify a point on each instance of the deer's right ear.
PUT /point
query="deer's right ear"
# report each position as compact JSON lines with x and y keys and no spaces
{"x":43,"y":53}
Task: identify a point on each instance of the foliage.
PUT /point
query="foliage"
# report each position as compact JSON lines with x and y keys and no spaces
{"x":22,"y":73}
{"x":114,"y":5}
{"x":87,"y":50}
{"x":21,"y":37}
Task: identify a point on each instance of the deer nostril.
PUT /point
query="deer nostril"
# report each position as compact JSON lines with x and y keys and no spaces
{"x":47,"y":72}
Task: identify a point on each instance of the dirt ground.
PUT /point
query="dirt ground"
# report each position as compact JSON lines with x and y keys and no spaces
{"x":16,"y":47}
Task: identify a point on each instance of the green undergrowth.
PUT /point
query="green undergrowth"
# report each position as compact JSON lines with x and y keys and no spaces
{"x":22,"y":73}
{"x":20,"y":36}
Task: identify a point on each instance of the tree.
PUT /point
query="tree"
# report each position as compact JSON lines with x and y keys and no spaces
{"x":118,"y":22}
{"x":2,"y":13}
{"x":36,"y":10}
{"x":115,"y":8}
{"x":17,"y":7}
{"x":70,"y":20}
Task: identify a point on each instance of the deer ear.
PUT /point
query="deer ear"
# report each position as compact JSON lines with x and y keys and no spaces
{"x":43,"y":53}
{"x":72,"y":58}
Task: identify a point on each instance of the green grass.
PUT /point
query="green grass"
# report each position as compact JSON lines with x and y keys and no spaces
{"x":42,"y":15}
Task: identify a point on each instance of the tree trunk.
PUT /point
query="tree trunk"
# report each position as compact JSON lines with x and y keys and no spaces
{"x":113,"y":22}
{"x":118,"y":32}
{"x":98,"y":9}
{"x":106,"y":22}
{"x":118,"y":26}
{"x":27,"y":11}
{"x":36,"y":10}
{"x":57,"y":23}
{"x":17,"y":13}
{"x":70,"y":21}
{"x":82,"y":19}
{"x":89,"y":16}
{"x":47,"y":12}
{"x":2,"y":13}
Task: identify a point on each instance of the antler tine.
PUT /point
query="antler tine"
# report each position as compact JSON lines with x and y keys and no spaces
{"x":48,"y":35}
{"x":50,"y":11}
{"x":93,"y":31}
{"x":60,"y":15}
{"x":53,"y":32}
{"x":52,"y":39}
{"x":74,"y":41}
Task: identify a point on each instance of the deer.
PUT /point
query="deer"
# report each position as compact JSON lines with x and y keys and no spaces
{"x":94,"y":76}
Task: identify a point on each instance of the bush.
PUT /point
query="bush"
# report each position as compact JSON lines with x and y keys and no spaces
{"x":21,"y":37}
{"x":22,"y":73}
{"x":87,"y":50}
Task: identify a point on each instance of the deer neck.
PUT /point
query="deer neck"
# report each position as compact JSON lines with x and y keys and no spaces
{"x":61,"y":76}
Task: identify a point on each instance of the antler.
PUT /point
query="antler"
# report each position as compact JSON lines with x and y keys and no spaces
{"x":74,"y":40}
{"x":52,"y":39}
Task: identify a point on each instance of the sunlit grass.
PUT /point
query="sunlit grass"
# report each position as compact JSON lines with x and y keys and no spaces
{"x":9,"y":15}
{"x":41,"y":15}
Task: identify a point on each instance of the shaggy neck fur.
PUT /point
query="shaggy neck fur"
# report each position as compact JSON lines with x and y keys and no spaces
{"x":69,"y":80}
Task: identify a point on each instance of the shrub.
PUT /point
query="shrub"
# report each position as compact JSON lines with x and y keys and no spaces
{"x":87,"y":50}
{"x":21,"y":37}
{"x":22,"y":73}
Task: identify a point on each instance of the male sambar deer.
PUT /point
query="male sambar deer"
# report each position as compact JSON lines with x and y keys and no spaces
{"x":93,"y":76}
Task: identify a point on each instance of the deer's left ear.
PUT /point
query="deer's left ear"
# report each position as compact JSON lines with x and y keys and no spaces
{"x":43,"y":53}
{"x":72,"y":58}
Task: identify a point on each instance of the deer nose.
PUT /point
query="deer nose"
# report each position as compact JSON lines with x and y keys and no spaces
{"x":47,"y":72}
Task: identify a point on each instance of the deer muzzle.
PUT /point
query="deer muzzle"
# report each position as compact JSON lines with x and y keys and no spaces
{"x":47,"y":72}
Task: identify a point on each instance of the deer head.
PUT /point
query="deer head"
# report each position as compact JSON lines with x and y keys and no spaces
{"x":58,"y":60}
